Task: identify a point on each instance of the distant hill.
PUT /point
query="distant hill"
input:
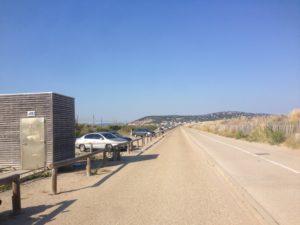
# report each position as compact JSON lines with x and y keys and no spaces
{"x":194,"y":118}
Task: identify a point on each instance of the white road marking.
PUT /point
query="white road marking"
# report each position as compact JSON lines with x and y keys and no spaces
{"x":252,"y":154}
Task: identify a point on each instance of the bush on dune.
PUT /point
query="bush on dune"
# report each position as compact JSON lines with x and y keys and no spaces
{"x":269,"y":129}
{"x":294,"y":116}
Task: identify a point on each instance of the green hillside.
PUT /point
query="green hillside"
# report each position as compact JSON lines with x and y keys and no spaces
{"x":195,"y":118}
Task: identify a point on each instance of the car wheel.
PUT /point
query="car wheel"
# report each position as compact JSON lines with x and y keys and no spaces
{"x":109,"y":151}
{"x":82,"y":148}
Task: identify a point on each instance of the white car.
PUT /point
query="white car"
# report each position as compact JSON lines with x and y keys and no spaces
{"x":100,"y":140}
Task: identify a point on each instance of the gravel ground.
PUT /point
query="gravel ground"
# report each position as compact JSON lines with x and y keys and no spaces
{"x":171,"y":183}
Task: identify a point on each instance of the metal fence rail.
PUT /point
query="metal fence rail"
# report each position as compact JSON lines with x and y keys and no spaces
{"x":116,"y":156}
{"x":67,"y":162}
{"x":15,"y":180}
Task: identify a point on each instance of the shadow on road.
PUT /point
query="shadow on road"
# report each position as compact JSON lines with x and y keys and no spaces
{"x":124,"y":162}
{"x":131,"y":159}
{"x":27,"y":216}
{"x":33,"y":215}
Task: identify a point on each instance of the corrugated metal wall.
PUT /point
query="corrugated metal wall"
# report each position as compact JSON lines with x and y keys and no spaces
{"x":63,"y":127}
{"x":58,"y":111}
{"x":14,"y":107}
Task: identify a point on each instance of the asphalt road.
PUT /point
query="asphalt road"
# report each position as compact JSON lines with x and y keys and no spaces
{"x":270,"y":175}
{"x":174,"y":182}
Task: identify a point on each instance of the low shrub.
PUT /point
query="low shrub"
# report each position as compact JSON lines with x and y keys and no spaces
{"x":274,"y":137}
{"x":293,"y":142}
{"x":270,"y":129}
{"x":240,"y":135}
{"x":257,"y":135}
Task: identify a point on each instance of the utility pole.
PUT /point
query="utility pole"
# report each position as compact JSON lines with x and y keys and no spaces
{"x":93,"y":120}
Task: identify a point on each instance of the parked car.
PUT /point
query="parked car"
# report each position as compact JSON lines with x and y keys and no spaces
{"x":162,"y":130}
{"x":120,"y":136}
{"x":142,"y":132}
{"x":100,"y":140}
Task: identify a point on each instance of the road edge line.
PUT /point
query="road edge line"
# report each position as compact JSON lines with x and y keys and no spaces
{"x":246,"y":199}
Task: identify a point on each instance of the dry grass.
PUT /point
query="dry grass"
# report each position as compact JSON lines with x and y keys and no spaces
{"x":101,"y":171}
{"x":294,"y":116}
{"x":271,"y":129}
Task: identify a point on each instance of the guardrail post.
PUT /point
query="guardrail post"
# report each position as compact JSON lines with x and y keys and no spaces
{"x":143,"y":141}
{"x":104,"y":158}
{"x":114,"y":154}
{"x":129,"y":147}
{"x":16,"y":198}
{"x":88,"y":166}
{"x":151,"y":138}
{"x":54,"y":181}
{"x":138,"y":142}
{"x":118,"y":155}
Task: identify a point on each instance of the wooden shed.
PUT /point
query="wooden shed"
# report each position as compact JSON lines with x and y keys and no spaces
{"x":36,"y":129}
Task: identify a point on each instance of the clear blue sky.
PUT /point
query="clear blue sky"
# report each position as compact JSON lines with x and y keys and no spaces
{"x":122,"y":60}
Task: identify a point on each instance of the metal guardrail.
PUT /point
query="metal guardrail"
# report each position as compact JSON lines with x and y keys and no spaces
{"x":144,"y":139}
{"x":54,"y":166}
{"x":116,"y":156}
{"x":14,"y":180}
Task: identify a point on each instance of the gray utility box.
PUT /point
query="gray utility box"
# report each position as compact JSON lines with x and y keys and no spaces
{"x":36,"y":129}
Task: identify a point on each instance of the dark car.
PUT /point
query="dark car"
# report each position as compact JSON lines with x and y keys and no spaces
{"x":120,"y":136}
{"x":161,"y":130}
{"x":141,"y":132}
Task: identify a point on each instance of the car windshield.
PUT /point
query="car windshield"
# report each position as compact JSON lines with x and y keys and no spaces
{"x":109,"y":135}
{"x":117,"y":134}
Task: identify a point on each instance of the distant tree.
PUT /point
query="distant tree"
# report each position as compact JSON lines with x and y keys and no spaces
{"x":114,"y":127}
